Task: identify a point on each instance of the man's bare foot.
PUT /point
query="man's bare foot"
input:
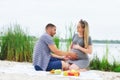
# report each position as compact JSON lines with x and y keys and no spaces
{"x":66,"y":67}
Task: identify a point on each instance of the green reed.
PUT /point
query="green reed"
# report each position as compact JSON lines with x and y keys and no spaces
{"x":16,"y":45}
{"x":57,"y":41}
{"x":104,"y":64}
{"x":70,"y":31}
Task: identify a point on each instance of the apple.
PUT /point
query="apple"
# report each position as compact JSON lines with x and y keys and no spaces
{"x":73,"y":71}
{"x":70,"y":73}
{"x":65,"y":73}
{"x":58,"y":71}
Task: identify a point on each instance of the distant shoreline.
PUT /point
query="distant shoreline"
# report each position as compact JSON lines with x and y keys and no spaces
{"x":98,"y":41}
{"x":94,"y":41}
{"x":107,"y":41}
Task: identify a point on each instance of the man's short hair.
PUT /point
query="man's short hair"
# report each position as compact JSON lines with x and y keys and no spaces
{"x":49,"y":25}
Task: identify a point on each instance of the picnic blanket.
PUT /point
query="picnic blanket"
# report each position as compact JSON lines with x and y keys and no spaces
{"x":24,"y":71}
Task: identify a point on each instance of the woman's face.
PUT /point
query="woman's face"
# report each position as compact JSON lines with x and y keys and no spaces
{"x":79,"y":28}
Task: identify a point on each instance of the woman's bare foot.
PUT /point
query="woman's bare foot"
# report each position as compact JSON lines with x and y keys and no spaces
{"x":82,"y":70}
{"x":74,"y":67}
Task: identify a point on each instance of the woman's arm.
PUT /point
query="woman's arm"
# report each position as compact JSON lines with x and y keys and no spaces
{"x":85,"y":50}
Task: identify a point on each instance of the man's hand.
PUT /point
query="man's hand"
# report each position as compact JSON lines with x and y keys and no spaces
{"x":72,"y":56}
{"x":65,"y":58}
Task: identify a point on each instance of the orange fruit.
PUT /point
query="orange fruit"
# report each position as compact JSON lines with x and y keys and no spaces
{"x":52,"y":71}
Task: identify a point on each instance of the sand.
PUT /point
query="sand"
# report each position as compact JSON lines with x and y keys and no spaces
{"x":10,"y":70}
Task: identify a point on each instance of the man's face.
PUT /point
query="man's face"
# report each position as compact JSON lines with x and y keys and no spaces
{"x":53,"y":31}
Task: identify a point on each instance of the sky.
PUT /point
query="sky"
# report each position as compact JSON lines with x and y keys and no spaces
{"x":103,"y":16}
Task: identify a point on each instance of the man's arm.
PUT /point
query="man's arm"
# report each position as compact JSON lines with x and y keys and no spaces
{"x":57,"y":56}
{"x":56,"y":51}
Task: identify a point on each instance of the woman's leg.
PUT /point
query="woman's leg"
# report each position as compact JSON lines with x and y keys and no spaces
{"x":75,"y":67}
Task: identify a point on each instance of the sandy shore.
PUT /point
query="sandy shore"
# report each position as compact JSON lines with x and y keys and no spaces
{"x":109,"y":75}
{"x":24,"y":71}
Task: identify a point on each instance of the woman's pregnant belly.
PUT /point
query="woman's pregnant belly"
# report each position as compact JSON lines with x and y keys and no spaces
{"x":80,"y":54}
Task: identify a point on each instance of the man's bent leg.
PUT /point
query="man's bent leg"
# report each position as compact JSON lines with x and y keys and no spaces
{"x":54,"y":65}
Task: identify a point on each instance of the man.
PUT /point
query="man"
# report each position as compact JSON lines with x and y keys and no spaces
{"x":42,"y":57}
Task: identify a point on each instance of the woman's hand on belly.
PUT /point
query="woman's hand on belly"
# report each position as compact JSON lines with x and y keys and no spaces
{"x":76,"y":46}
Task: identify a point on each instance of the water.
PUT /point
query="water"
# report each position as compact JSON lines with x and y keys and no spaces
{"x":100,"y":51}
{"x":113,"y":51}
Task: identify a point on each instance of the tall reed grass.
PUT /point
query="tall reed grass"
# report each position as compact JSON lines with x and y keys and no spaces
{"x":70,"y":31}
{"x":104,"y":64}
{"x":57,"y":41}
{"x":16,"y":45}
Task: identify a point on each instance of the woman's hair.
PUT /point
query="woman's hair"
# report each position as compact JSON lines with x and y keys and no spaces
{"x":84,"y":24}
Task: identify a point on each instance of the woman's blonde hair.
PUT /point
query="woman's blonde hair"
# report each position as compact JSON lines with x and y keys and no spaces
{"x":85,"y":25}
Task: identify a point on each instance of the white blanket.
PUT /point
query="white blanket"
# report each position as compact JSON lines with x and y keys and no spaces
{"x":25,"y":71}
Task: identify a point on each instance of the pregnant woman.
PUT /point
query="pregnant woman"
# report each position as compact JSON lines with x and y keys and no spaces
{"x":82,"y":46}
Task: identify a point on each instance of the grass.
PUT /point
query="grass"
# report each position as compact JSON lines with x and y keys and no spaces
{"x":104,"y":64}
{"x":70,"y":31}
{"x":57,"y":41}
{"x":16,"y":45}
